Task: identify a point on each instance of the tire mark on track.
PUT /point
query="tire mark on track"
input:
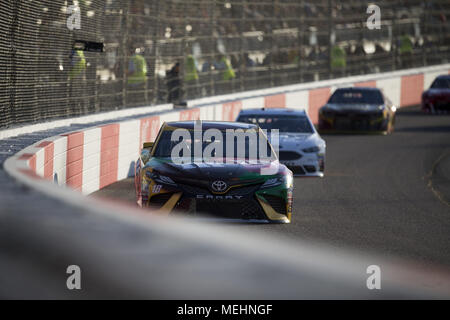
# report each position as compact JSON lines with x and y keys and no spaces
{"x":429,"y":177}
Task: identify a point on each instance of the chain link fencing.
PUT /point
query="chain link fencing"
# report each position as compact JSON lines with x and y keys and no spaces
{"x":176,"y":50}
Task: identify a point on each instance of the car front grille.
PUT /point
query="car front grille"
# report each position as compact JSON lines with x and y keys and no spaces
{"x":231,"y":209}
{"x":359,"y":121}
{"x":310,"y":169}
{"x":442,"y":106}
{"x":229,"y":206}
{"x":297,"y":170}
{"x":236,"y":190}
{"x":245,"y":190}
{"x":277,"y":203}
{"x":289,"y":155}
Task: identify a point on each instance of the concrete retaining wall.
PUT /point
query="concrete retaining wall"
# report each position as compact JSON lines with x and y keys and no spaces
{"x":90,"y":159}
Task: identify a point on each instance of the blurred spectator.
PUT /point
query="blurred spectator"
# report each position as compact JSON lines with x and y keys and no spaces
{"x":174,"y":84}
{"x":234,"y":61}
{"x":206,"y":66}
{"x":406,"y":45}
{"x":405,"y":50}
{"x":338,"y":61}
{"x":293,"y":56}
{"x":219,"y":63}
{"x":248,"y":62}
{"x":137,"y":69}
{"x":190,"y":69}
{"x":379,"y":49}
{"x":267,"y":61}
{"x":191,"y":87}
{"x":78,"y":64}
{"x":225,"y":65}
{"x":359,"y":51}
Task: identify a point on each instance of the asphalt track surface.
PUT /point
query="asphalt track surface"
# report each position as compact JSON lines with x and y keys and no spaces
{"x":388,"y":195}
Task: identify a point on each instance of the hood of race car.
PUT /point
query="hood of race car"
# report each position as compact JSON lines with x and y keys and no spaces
{"x":297,"y":137}
{"x":201,"y":171}
{"x":298,"y":140}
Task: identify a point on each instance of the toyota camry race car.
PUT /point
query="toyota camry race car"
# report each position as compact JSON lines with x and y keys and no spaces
{"x":301,"y":148}
{"x":437,"y":98}
{"x":358,"y":109}
{"x":225,"y":169}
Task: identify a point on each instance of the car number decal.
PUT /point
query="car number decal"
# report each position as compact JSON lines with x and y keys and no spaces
{"x":157,"y":188}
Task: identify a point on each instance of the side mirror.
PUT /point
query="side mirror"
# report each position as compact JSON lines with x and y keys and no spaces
{"x":145,"y":155}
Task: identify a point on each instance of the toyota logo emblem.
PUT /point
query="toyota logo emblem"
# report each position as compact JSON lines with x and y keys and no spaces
{"x":219,"y":186}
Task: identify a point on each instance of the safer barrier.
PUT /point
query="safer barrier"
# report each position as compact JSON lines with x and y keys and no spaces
{"x":92,"y":158}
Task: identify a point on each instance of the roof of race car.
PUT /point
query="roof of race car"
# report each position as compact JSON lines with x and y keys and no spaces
{"x":443,"y":76}
{"x":272,"y":111}
{"x":221,"y":125}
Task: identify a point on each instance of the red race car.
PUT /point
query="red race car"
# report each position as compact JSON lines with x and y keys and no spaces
{"x":437,"y":98}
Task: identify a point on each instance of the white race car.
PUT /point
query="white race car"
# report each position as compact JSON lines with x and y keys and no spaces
{"x":301,"y":148}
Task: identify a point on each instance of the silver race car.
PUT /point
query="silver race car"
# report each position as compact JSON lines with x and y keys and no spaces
{"x":301,"y":148}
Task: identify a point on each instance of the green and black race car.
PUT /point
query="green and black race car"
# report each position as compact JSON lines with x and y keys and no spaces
{"x":224,"y":169}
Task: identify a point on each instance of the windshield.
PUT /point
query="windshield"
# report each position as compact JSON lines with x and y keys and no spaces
{"x":441,"y":84}
{"x":284,"y":123}
{"x":242,"y":146}
{"x":355,"y":96}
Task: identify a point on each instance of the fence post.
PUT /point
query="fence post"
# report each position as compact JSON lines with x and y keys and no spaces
{"x":13,"y":59}
{"x":155,"y":53}
{"x":330,"y":44}
{"x":124,"y":50}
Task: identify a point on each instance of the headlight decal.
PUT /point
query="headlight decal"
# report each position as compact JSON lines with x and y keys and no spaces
{"x":152,"y":175}
{"x":271,"y":183}
{"x":311,"y":149}
{"x":166,"y":179}
{"x":285,"y":181}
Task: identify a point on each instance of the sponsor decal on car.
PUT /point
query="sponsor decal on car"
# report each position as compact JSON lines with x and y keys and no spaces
{"x":211,"y":197}
{"x":156,"y":188}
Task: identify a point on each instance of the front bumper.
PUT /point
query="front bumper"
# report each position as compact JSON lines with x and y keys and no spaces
{"x":246,"y":203}
{"x":353,"y":122}
{"x":436,"y":105}
{"x":304,"y":164}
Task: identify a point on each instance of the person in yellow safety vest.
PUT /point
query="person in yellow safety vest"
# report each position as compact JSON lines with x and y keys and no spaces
{"x":78,"y":62}
{"x":293,"y":57}
{"x":338,"y":58}
{"x":406,"y":45}
{"x":228,"y":72}
{"x":190,"y":69}
{"x":137,"y":70}
{"x":405,"y":51}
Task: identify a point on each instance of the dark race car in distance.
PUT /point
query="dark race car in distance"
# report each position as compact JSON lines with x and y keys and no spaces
{"x":357,"y":109}
{"x":437,"y":98}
